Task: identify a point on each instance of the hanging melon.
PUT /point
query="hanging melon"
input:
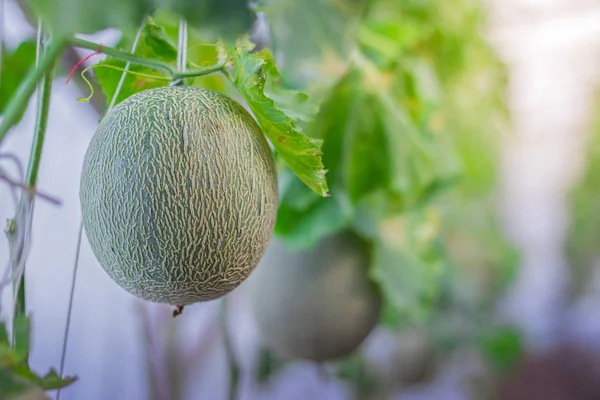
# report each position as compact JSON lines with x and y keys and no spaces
{"x":317,"y":304}
{"x":178,"y":194}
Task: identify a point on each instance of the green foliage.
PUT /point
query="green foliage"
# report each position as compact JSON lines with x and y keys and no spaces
{"x":254,"y":76}
{"x":154,"y":44}
{"x":406,"y":123}
{"x":313,"y":39}
{"x":219,"y":19}
{"x":15,"y":375}
{"x":304,"y":218}
{"x":408,"y":264}
{"x":400,"y":125}
{"x":65,"y":17}
{"x":410,"y":98}
{"x":15,"y":65}
{"x":502,"y":348}
{"x":158,"y":42}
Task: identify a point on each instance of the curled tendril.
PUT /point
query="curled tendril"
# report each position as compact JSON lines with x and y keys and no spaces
{"x":89,"y":84}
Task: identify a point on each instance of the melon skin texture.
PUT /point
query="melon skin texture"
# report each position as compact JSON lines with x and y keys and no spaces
{"x":178,"y":194}
{"x":316,"y":305}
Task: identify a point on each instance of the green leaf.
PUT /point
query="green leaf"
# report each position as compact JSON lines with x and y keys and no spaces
{"x":371,"y":144}
{"x":21,"y":334}
{"x":408,"y":265}
{"x":381,"y":160}
{"x":11,"y":384}
{"x":156,"y":39}
{"x":221,"y":19}
{"x":157,"y":42}
{"x":65,"y":17}
{"x":502,"y":348}
{"x":303,"y":228}
{"x":249,"y":75}
{"x":386,"y":41}
{"x":200,"y":52}
{"x":154,"y":44}
{"x":15,"y":66}
{"x":52,"y":381}
{"x":313,"y":39}
{"x":15,"y":375}
{"x":109,"y":79}
{"x":299,"y":106}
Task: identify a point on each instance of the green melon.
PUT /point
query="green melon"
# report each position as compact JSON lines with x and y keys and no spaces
{"x":178,"y":194}
{"x":316,"y":305}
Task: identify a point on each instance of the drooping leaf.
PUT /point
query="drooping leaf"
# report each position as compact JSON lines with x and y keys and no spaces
{"x":15,"y":66}
{"x":65,"y":17}
{"x":249,"y":75}
{"x":299,"y":106}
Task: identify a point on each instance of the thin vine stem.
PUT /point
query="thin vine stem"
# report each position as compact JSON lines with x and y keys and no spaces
{"x":19,"y":102}
{"x":156,"y":65}
{"x":91,"y":87}
{"x":234,"y":368}
{"x":70,"y":309}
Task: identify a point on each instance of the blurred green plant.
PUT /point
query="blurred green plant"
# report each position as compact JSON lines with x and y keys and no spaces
{"x":401,"y":101}
{"x":582,"y":240}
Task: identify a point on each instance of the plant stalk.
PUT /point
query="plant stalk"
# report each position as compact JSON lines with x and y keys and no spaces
{"x":156,"y":65}
{"x":27,"y":87}
{"x":45,"y":89}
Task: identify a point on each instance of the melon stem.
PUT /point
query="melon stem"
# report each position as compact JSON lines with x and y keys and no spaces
{"x":156,"y":65}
